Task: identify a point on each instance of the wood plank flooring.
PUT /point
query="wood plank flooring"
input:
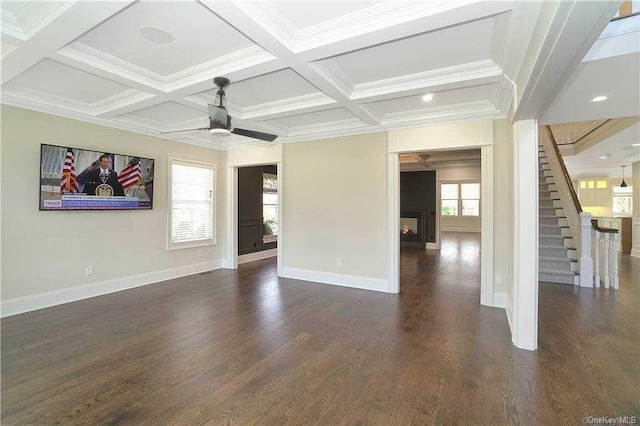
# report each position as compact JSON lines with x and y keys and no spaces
{"x":244,"y":347}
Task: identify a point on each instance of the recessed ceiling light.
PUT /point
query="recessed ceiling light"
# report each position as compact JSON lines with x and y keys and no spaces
{"x":428,"y":97}
{"x":604,"y":157}
{"x":156,"y":35}
{"x":599,"y":99}
{"x":636,"y":144}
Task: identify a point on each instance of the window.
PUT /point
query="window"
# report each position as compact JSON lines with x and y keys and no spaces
{"x":449,"y":195}
{"x":460,"y":199}
{"x":623,"y":200}
{"x":270,"y":205}
{"x":192,"y":204}
{"x":470,"y":194}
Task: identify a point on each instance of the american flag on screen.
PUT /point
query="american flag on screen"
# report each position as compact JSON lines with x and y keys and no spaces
{"x":69,"y":182}
{"x":130,"y":175}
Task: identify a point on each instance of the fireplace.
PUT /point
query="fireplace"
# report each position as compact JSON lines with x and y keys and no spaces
{"x":412,"y":224}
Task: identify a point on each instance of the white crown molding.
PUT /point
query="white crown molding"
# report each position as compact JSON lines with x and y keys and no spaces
{"x":298,"y":104}
{"x":10,"y":25}
{"x":36,"y":104}
{"x":351,"y":123}
{"x":118,"y":100}
{"x":385,"y":15}
{"x":32,"y":17}
{"x":449,"y":114}
{"x":328,"y":70}
{"x":438,"y":77}
{"x":235,"y":61}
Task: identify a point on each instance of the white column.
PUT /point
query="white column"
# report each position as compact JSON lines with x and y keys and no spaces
{"x":393,"y":192}
{"x":607,"y":249}
{"x":596,"y":258}
{"x":525,"y":251}
{"x":586,"y":262}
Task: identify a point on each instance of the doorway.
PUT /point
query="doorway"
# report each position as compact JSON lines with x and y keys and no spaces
{"x":406,"y":141}
{"x":257,"y":213}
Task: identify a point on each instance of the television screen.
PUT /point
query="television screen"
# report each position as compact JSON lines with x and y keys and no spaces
{"x":80,"y":179}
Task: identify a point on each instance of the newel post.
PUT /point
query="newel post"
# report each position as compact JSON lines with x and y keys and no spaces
{"x":586,"y":262}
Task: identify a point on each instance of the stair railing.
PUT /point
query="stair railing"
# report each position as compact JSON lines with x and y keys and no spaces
{"x":579,"y":222}
{"x":605,"y":255}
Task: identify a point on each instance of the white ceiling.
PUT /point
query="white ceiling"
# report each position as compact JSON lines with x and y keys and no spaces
{"x":618,"y":148}
{"x":611,"y":68}
{"x":303,"y":70}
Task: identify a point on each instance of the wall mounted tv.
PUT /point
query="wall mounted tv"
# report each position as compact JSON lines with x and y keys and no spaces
{"x":80,"y":179}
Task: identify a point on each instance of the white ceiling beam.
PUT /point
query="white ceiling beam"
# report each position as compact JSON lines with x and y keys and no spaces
{"x":77,"y":19}
{"x":231,"y":13}
{"x":561,"y":39}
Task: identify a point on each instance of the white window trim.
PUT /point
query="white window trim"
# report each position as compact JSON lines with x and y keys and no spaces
{"x":459,"y":183}
{"x":191,"y":244}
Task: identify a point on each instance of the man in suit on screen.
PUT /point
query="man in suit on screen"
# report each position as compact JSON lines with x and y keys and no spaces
{"x":103,"y":177}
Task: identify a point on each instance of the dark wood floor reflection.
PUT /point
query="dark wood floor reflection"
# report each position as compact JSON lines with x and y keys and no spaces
{"x":242,"y":347}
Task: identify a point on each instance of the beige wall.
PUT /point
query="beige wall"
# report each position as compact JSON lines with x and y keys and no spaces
{"x":48,"y":251}
{"x":502,"y":202}
{"x":335,"y":205}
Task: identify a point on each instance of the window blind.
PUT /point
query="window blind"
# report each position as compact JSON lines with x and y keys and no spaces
{"x":192,"y":202}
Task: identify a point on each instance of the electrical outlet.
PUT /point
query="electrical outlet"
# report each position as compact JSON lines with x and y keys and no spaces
{"x":89,"y":270}
{"x":498,"y":279}
{"x":339,"y":263}
{"x":199,"y":252}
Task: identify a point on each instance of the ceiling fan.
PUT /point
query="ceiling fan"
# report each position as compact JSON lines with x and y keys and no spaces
{"x":220,"y":120}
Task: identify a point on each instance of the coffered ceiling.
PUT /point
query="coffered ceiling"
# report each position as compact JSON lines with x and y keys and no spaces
{"x":302,"y":70}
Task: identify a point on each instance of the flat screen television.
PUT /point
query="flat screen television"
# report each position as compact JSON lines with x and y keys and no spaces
{"x":81,"y":179}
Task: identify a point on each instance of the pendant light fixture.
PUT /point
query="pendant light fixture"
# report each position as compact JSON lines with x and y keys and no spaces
{"x":623,"y":184}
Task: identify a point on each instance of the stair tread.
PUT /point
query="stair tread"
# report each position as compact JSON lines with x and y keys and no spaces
{"x":553,"y":236}
{"x":548,"y":216}
{"x":541,"y":246}
{"x":556,"y":259}
{"x":545,"y":225}
{"x":557,"y":272}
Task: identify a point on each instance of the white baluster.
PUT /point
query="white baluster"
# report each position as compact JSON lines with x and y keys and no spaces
{"x":596,"y":257}
{"x":614,"y":260}
{"x":607,"y":247}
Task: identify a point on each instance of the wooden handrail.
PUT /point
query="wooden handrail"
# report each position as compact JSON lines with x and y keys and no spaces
{"x":594,"y":224}
{"x":574,"y":196}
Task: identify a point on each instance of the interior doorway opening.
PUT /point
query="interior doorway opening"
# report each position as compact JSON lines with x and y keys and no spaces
{"x":257,"y":213}
{"x":440,"y":221}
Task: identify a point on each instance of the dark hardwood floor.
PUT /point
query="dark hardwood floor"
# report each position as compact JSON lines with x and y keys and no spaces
{"x":244,"y":347}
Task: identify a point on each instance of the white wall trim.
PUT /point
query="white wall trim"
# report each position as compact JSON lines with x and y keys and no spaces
{"x":393,"y":217}
{"x":431,"y":246}
{"x":71,"y":294}
{"x":259,"y":255}
{"x":477,"y":134}
{"x":500,"y":300}
{"x":353,"y":281}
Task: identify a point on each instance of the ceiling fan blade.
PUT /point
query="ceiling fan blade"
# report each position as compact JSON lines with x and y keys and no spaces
{"x":186,"y":130}
{"x":253,"y":134}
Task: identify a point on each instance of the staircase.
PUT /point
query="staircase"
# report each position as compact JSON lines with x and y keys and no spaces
{"x":557,"y":256}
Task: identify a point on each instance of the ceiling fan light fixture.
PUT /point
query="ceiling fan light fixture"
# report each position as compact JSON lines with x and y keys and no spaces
{"x":428,"y":97}
{"x":220,"y":132}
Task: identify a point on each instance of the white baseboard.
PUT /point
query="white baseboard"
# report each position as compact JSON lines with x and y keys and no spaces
{"x":508,"y":311}
{"x":58,"y":297}
{"x":431,"y":246}
{"x":462,"y":229}
{"x":259,"y":255}
{"x":635,"y":251}
{"x":500,"y":300}
{"x":353,"y":281}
